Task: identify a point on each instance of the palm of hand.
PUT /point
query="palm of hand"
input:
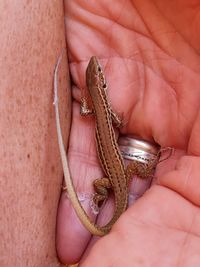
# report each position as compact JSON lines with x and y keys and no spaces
{"x":152,"y":67}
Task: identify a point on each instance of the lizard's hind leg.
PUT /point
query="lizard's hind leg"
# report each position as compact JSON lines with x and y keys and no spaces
{"x":102,"y":187}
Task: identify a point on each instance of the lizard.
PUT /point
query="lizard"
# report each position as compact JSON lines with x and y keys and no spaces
{"x":108,"y":151}
{"x":96,"y":102}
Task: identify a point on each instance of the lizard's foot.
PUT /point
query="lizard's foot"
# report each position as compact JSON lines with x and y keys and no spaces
{"x":101,"y":187}
{"x":142,"y":170}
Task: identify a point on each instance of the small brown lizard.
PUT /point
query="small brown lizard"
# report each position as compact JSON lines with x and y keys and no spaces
{"x":96,"y":102}
{"x":108,"y":151}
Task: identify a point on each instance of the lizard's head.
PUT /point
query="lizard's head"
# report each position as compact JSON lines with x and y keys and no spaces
{"x":94,"y":74}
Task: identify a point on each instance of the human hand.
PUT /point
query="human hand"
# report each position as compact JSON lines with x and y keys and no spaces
{"x":151,"y":65}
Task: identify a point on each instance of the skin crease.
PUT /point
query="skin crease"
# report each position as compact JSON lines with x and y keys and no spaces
{"x":150,"y":54}
{"x":31,"y":39}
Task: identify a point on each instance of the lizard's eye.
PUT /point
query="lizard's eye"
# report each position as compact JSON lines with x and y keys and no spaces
{"x":99,"y":69}
{"x":104,"y":85}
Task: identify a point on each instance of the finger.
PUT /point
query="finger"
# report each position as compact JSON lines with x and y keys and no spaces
{"x":184,"y":179}
{"x":160,"y":221}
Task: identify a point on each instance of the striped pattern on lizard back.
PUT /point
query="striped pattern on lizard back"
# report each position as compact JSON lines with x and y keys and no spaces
{"x":107,"y":147}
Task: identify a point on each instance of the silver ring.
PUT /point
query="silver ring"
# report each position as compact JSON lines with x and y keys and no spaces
{"x":136,"y":149}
